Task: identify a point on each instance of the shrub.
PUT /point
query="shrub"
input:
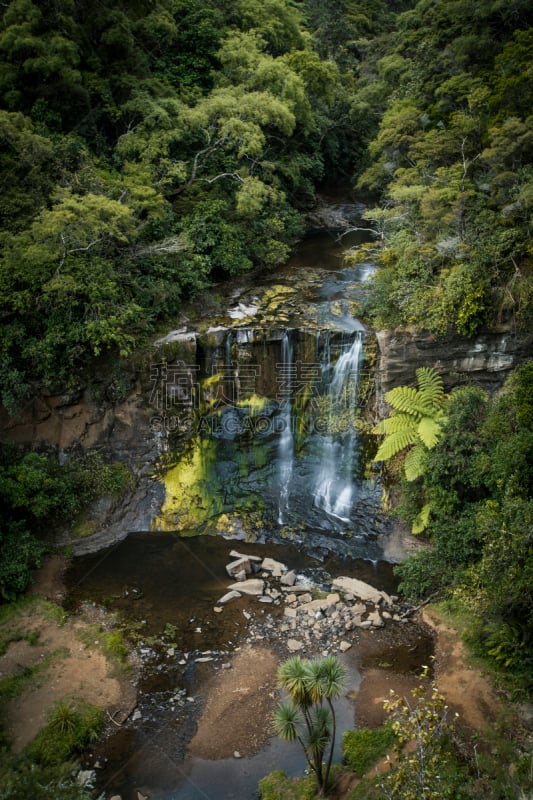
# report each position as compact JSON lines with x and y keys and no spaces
{"x":72,"y":725}
{"x":363,"y":748}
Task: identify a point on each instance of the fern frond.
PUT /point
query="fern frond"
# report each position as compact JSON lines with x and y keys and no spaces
{"x":404,"y":399}
{"x":429,"y":431}
{"x":415,"y":463}
{"x":430,"y":386}
{"x":398,"y":422}
{"x":421,"y":521}
{"x":394,"y":443}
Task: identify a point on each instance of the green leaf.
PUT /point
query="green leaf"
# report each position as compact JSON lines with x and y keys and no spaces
{"x":429,"y":431}
{"x":394,"y":443}
{"x":421,"y":521}
{"x":415,"y":463}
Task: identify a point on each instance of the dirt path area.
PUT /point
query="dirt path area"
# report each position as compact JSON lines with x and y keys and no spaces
{"x":466,"y":690}
{"x":70,"y":667}
{"x":240,"y":703}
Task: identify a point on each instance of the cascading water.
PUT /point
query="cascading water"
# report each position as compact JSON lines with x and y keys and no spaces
{"x":286,"y":440}
{"x":334,"y":486}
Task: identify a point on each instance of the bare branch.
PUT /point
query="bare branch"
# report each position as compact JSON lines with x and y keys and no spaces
{"x":234,"y":175}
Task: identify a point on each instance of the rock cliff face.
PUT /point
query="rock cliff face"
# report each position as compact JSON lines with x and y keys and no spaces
{"x":485,"y":359}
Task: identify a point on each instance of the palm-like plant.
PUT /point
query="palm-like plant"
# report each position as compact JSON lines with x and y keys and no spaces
{"x":415,"y":422}
{"x":309,"y":716}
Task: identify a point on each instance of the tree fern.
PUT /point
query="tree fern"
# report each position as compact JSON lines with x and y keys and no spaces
{"x":415,"y":422}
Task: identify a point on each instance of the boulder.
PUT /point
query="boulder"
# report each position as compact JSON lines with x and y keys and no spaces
{"x":358,"y":588}
{"x":275,"y":567}
{"x":238,"y":567}
{"x":375,"y":618}
{"x":289,"y":579}
{"x":253,"y":586}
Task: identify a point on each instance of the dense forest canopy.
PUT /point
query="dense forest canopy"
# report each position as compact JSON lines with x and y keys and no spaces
{"x":150,"y":148}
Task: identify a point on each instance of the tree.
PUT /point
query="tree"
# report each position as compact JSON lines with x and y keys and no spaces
{"x":309,"y":716}
{"x":415,"y":422}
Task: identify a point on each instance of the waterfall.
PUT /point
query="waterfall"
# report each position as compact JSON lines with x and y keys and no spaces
{"x":286,"y":440}
{"x":334,"y":487}
{"x":229,"y":379}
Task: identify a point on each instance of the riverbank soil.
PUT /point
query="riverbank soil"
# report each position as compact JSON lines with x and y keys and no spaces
{"x":466,"y":689}
{"x":238,"y":712}
{"x":58,"y":660}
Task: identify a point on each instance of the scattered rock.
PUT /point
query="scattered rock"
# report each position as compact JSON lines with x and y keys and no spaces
{"x":375,"y":618}
{"x":236,"y":554}
{"x":170,"y":652}
{"x":86,"y":777}
{"x":295,"y":589}
{"x":233,"y":595}
{"x":136,"y":715}
{"x":218,"y":609}
{"x":203,"y":660}
{"x":290,"y":612}
{"x":289,"y":579}
{"x":344,"y":646}
{"x":294,"y":645}
{"x":241,"y":565}
{"x":275,"y":567}
{"x":253,"y":586}
{"x":236,"y":754}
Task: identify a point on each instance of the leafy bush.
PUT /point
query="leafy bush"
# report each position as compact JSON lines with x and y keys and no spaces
{"x":364,"y":747}
{"x":37,"y":493}
{"x":278,"y":786}
{"x":21,"y":779}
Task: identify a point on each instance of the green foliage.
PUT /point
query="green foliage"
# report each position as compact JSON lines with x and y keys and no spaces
{"x":12,"y":687}
{"x":21,"y":778}
{"x":278,"y":786}
{"x":112,"y":643}
{"x":37,"y":492}
{"x":416,"y":419}
{"x":149,"y":151}
{"x":452,"y":156}
{"x":478,"y":481}
{"x":425,"y":769}
{"x":364,"y":747}
{"x":72,"y":725}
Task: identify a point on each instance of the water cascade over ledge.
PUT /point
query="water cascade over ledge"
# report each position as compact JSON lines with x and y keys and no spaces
{"x":274,"y":452}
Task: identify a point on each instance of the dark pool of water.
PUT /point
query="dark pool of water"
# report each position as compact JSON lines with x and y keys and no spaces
{"x":160,"y":578}
{"x":156,"y":579}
